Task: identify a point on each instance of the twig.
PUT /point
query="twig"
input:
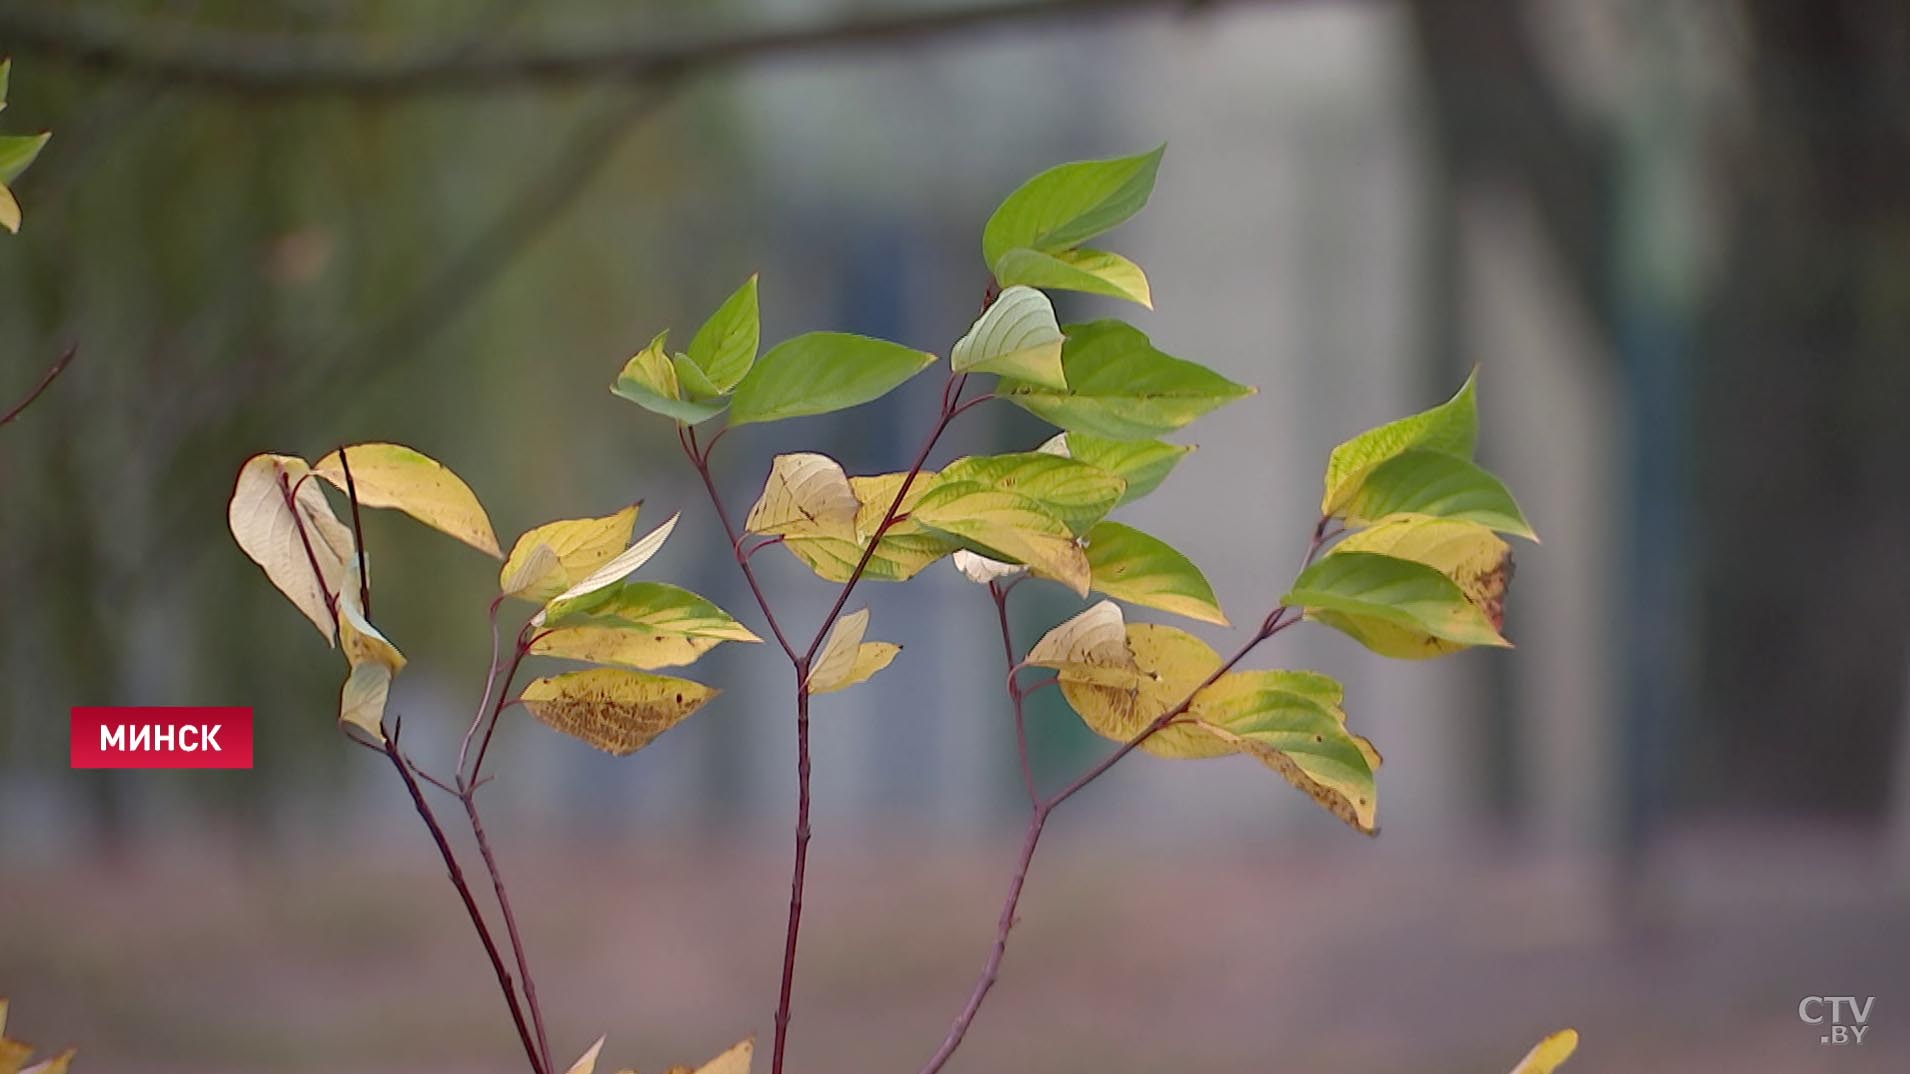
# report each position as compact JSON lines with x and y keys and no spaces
{"x":255,"y":63}
{"x":469,"y":796}
{"x":1276,"y":621}
{"x":1015,"y":693}
{"x":358,"y":533}
{"x":464,"y":893}
{"x":793,"y":928}
{"x":46,"y":380}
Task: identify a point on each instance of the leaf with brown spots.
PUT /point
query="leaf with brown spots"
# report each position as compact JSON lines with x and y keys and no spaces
{"x":617,"y":711}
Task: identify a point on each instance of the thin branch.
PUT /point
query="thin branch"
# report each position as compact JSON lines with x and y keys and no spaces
{"x":358,"y":533}
{"x":451,"y":866}
{"x":793,"y":927}
{"x":256,"y":63}
{"x":469,"y":797}
{"x":46,"y":381}
{"x":1015,"y":693}
{"x":1279,"y":619}
{"x":484,"y":699}
{"x":702,"y":463}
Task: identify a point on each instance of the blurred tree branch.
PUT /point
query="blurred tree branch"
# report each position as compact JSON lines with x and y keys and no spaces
{"x":46,"y":381}
{"x":248,"y":62}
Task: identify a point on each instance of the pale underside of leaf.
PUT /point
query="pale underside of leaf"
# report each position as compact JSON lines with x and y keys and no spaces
{"x":1091,"y":647}
{"x":806,"y":495}
{"x":587,"y":1064}
{"x":845,"y":659}
{"x":395,"y":476}
{"x":614,"y":710}
{"x":982,"y":570}
{"x":1017,"y":336}
{"x":549,"y":558}
{"x":614,"y":569}
{"x":269,"y":532}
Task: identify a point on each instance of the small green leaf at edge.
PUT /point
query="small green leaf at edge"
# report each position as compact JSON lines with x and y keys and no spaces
{"x":1068,"y":204}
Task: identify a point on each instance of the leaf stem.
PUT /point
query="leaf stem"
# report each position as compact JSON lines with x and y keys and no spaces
{"x":701,"y":460}
{"x":358,"y":533}
{"x":46,"y":381}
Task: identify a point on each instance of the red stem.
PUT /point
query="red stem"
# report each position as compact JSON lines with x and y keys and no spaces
{"x":1276,"y":621}
{"x":1015,"y":694}
{"x":46,"y":381}
{"x":469,"y":796}
{"x":794,"y":927}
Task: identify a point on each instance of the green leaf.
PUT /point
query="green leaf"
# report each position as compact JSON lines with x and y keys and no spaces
{"x":1093,"y":272}
{"x":725,"y":347}
{"x":1139,"y":568}
{"x":17,"y":151}
{"x":1469,"y":554}
{"x":1076,"y":492}
{"x":1299,"y":735}
{"x":1006,"y":526}
{"x":1354,"y":590}
{"x":1451,"y":428}
{"x":650,"y":380}
{"x":1069,"y":204}
{"x":691,"y":381}
{"x":822,"y":372}
{"x":1122,"y":388}
{"x":1018,"y":336}
{"x":1421,"y":482}
{"x":653,"y":607}
{"x":6,"y":75}
{"x":1144,"y":464}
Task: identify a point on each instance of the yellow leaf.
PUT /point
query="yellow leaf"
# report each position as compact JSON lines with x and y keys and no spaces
{"x":807,"y":495}
{"x":361,"y":641}
{"x":59,"y":1064}
{"x":1549,"y":1054}
{"x":1290,"y":723}
{"x":374,"y":661}
{"x":268,"y":532}
{"x":905,"y":549}
{"x":1470,"y":554}
{"x":617,"y":711}
{"x":549,"y":558}
{"x":845,"y":659}
{"x":734,"y":1061}
{"x":614,"y":569}
{"x":1171,"y":664}
{"x":588,"y":1064}
{"x":1006,"y":526}
{"x":629,"y":648}
{"x":392,"y":475}
{"x":9,"y":210}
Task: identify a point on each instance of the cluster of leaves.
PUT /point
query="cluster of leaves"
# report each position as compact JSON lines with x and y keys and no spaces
{"x":576,"y":570}
{"x":15,"y":1053}
{"x":1407,"y":557}
{"x":17,"y":151}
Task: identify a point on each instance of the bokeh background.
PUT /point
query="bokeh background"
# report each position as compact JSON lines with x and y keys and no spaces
{"x":1674,"y":237}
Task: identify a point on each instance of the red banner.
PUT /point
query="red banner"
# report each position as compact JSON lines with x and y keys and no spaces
{"x":162,"y":737}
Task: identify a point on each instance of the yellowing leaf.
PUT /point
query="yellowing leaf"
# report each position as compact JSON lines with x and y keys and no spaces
{"x":269,"y":532}
{"x":1171,"y":663}
{"x":734,"y":1061}
{"x":15,"y":1053}
{"x":59,"y":1064}
{"x":625,"y":646}
{"x":392,"y":475}
{"x":1143,"y":464}
{"x":646,"y":608}
{"x":572,"y":549}
{"x":1017,"y":336}
{"x":1549,"y":1054}
{"x":845,"y":659}
{"x":1451,"y":428}
{"x":806,"y":495}
{"x":650,"y":380}
{"x":905,"y":549}
{"x":1297,"y":734}
{"x":1419,"y":482}
{"x":588,"y":1063}
{"x":1094,"y":272}
{"x":1076,"y":492}
{"x":1006,"y":526}
{"x":1467,"y":553}
{"x":617,"y":711}
{"x":1142,"y":569}
{"x":1393,"y":606}
{"x":613,"y":570}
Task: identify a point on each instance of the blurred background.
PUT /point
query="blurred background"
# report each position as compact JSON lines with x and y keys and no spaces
{"x":1674,"y":237}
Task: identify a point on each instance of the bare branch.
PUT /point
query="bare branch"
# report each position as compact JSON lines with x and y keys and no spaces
{"x":52,"y":373}
{"x":254,"y":63}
